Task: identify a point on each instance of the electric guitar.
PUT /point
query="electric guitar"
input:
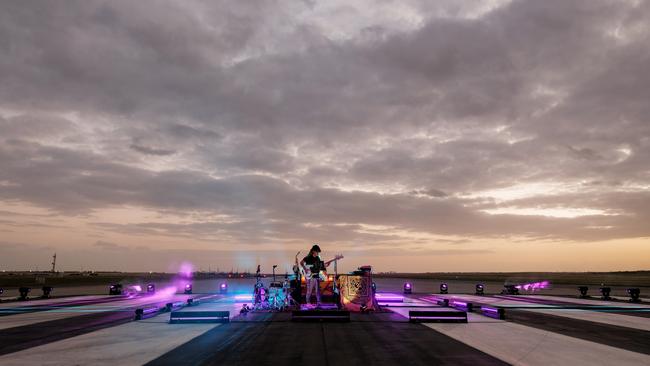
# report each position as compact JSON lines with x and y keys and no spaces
{"x":296,"y":267}
{"x":322,"y":274}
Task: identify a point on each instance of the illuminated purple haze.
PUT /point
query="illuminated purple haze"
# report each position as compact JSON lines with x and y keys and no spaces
{"x":533,"y":286}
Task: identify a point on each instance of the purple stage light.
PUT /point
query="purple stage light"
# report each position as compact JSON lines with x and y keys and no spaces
{"x":444,"y":288}
{"x":188,"y":288}
{"x":174,"y":305}
{"x":223,"y":288}
{"x":480,"y":289}
{"x":533,"y":286}
{"x":186,"y":269}
{"x":497,"y":313}
{"x":408,"y":288}
{"x":151,"y":288}
{"x":142,"y":313}
{"x":461,"y":304}
{"x":384,"y":297}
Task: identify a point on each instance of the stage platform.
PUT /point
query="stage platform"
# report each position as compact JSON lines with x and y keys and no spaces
{"x":537,"y":330}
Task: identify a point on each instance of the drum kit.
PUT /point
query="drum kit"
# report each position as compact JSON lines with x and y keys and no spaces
{"x":274,"y":297}
{"x":278,"y":295}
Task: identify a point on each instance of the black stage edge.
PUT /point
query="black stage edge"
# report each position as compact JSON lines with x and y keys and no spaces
{"x":620,"y":337}
{"x":375,"y":341}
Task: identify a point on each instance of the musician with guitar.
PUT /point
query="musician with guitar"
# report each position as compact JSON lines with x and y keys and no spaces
{"x":314,"y":268}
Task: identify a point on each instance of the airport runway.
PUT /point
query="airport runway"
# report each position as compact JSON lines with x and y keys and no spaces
{"x":379,"y":339}
{"x":100,"y":332}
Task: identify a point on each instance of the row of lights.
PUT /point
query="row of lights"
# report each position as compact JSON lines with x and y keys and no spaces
{"x":116,"y":289}
{"x":24,"y":292}
{"x":633,"y":292}
{"x":444,"y":288}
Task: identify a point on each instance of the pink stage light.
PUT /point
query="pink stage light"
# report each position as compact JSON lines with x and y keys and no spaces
{"x":533,"y":286}
{"x":186,"y":269}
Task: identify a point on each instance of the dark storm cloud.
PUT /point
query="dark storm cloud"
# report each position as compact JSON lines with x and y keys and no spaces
{"x":293,"y":133}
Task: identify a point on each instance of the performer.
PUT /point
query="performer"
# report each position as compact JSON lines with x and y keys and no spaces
{"x":316,"y":265}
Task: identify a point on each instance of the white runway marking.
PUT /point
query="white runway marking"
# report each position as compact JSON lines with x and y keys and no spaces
{"x":585,"y":301}
{"x":624,"y":298}
{"x":488,"y":300}
{"x":404,"y":311}
{"x":634,"y":322}
{"x":40,"y":302}
{"x":628,"y":321}
{"x":521,"y":345}
{"x":20,"y":320}
{"x":134,"y":343}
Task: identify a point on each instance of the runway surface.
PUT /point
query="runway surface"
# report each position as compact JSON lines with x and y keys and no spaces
{"x":537,"y":330}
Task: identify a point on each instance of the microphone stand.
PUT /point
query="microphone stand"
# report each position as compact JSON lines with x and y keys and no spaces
{"x":275,"y":265}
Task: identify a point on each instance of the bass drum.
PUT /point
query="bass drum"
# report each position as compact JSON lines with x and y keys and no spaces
{"x":277,"y":298}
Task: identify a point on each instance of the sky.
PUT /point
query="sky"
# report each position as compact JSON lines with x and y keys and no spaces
{"x":412,"y":135}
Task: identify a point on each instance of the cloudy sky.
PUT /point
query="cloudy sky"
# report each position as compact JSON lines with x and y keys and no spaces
{"x":413,"y":135}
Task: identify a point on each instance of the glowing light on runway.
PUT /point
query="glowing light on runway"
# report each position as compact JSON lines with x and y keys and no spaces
{"x":386,"y":297}
{"x":243,"y":297}
{"x":186,"y":269}
{"x":534,"y":286}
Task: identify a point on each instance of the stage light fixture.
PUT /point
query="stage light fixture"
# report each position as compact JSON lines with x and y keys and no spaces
{"x":408,"y":288}
{"x":480,"y":289}
{"x":47,"y":290}
{"x":374,"y":287}
{"x":583,"y":291}
{"x":115,"y":289}
{"x":510,"y":289}
{"x":444,"y":288}
{"x":188,"y":288}
{"x":634,"y":293}
{"x":2,"y":291}
{"x":151,"y":288}
{"x":223,"y":288}
{"x":24,"y":291}
{"x":605,"y":291}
